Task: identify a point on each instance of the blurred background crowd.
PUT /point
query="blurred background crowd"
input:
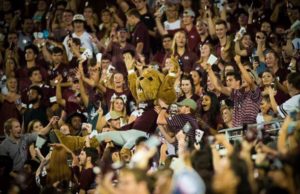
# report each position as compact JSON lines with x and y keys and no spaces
{"x":70,"y":124}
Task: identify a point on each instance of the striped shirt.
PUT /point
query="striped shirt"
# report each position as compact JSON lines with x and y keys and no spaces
{"x":176,"y":123}
{"x":246,"y":106}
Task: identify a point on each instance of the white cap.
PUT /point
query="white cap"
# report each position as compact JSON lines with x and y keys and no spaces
{"x":78,"y":17}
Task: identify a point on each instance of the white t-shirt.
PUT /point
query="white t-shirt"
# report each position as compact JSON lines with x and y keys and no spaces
{"x":289,"y":106}
{"x":172,"y":26}
{"x":86,"y":43}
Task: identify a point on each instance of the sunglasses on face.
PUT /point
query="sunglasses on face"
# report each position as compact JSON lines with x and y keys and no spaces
{"x":259,"y":37}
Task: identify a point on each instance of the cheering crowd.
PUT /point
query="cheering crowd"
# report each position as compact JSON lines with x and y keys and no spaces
{"x":71,"y":123}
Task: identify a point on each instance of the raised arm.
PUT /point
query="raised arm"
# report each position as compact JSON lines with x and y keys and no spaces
{"x":59,"y":98}
{"x":53,"y":121}
{"x":83,"y":94}
{"x":159,"y":25}
{"x":215,"y":81}
{"x":244,"y":72}
{"x":274,"y":104}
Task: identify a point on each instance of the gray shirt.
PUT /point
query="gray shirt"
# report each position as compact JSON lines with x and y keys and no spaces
{"x":17,"y":151}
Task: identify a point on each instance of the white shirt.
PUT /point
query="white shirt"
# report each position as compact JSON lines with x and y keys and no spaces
{"x":289,"y":106}
{"x":172,"y":26}
{"x":86,"y":43}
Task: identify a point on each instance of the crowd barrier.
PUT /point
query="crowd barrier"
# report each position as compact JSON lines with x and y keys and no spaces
{"x":237,"y":133}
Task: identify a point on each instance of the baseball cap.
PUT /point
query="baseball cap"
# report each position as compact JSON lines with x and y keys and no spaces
{"x":188,"y":102}
{"x":189,"y":12}
{"x":78,"y":17}
{"x":115,"y":115}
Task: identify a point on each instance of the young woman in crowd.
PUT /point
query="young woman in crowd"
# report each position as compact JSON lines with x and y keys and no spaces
{"x":226,"y":112}
{"x":243,"y":47}
{"x":181,"y":50}
{"x":268,"y":80}
{"x":10,"y":67}
{"x":188,"y":88}
{"x":118,"y":104}
{"x":10,"y":102}
{"x":205,"y":51}
{"x":266,"y":115}
{"x":199,"y":80}
{"x":210,"y":113}
{"x":259,"y":51}
{"x":91,"y":19}
{"x":117,"y":87}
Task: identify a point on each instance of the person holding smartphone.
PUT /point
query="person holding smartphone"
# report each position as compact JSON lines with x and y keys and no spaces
{"x":171,"y":125}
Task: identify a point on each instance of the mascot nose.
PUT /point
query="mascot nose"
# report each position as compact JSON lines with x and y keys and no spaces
{"x":141,"y":78}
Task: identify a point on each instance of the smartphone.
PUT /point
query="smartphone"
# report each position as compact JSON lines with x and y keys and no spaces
{"x":186,"y":128}
{"x":162,"y":9}
{"x":256,"y":59}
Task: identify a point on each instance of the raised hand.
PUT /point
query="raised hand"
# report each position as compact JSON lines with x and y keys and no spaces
{"x":129,"y":61}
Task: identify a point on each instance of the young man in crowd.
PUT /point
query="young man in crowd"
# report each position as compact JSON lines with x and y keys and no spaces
{"x":140,"y":36}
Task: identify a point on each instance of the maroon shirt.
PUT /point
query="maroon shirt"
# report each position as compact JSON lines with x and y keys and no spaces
{"x":86,"y":179}
{"x":24,"y":81}
{"x":110,"y":92}
{"x":117,"y":57}
{"x":246,"y":106}
{"x":48,"y":92}
{"x":160,"y":57}
{"x":140,"y":34}
{"x":193,"y":38}
{"x":62,"y":70}
{"x":187,"y":61}
{"x":281,"y":74}
{"x":146,"y":122}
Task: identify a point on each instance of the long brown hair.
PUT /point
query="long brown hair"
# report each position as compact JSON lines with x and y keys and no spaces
{"x":58,"y":168}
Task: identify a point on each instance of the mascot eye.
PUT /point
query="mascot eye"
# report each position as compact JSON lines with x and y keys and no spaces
{"x":141,"y":78}
{"x":150,"y":78}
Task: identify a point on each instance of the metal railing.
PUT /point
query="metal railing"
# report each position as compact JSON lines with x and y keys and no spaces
{"x":237,"y":133}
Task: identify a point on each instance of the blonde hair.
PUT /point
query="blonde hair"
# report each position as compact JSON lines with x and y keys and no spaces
{"x":124,"y":112}
{"x":174,"y":45}
{"x":212,"y":51}
{"x":8,"y":125}
{"x":31,"y":124}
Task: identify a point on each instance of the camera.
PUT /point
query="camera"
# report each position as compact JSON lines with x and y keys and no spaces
{"x":173,"y":109}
